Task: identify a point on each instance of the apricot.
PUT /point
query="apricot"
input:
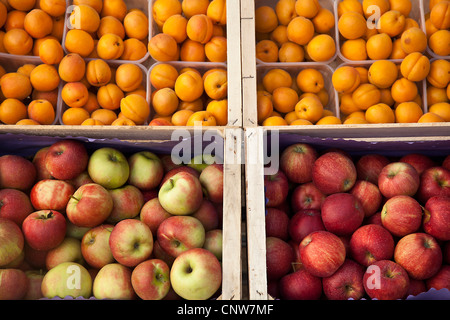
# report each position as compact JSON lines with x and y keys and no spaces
{"x":23,"y":69}
{"x":163,"y":75}
{"x":199,"y":28}
{"x":413,"y":39}
{"x":193,"y":7}
{"x":74,"y":94}
{"x":54,"y":8}
{"x":18,"y":41}
{"x":136,"y":108}
{"x":191,"y":50}
{"x":110,"y":47}
{"x":115,"y":8}
{"x":23,"y":5}
{"x":217,"y":11}
{"x":300,"y":30}
{"x":38,"y":23}
{"x":14,"y":20}
{"x":72,"y":67}
{"x":109,"y":96}
{"x":219,"y":110}
{"x":12,"y":110}
{"x":133,"y":49}
{"x":110,"y":24}
{"x":96,"y":4}
{"x":41,"y":111}
{"x":129,"y":77}
{"x":216,"y":85}
{"x":98,"y":72}
{"x":45,"y":77}
{"x":189,"y":86}
{"x":275,"y":78}
{"x":366,"y":95}
{"x":321,"y":48}
{"x":216,"y":49}
{"x":136,"y":24}
{"x":175,"y":26}
{"x":15,"y":85}
{"x":352,"y":25}
{"x":163,"y":9}
{"x":84,"y":17}
{"x":307,"y":8}
{"x":163,"y":47}
{"x":415,"y":66}
{"x":51,"y":51}
{"x":440,"y":15}
{"x":201,"y":118}
{"x":345,"y":79}
{"x":165,"y":101}
{"x":285,"y":11}
{"x":79,"y":41}
{"x":266,"y":19}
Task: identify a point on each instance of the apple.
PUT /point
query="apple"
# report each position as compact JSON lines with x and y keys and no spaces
{"x":419,"y":254}
{"x":113,"y":281}
{"x":277,"y":222}
{"x":95,"y":246}
{"x":34,"y":258}
{"x":342,"y":213}
{"x":306,"y":196}
{"x":146,"y":170}
{"x":75,"y":231}
{"x":178,"y":234}
{"x":304,"y":222}
{"x":369,"y":195}
{"x":370,"y":243}
{"x":386,"y":280}
{"x":279,"y":256}
{"x":39,"y":163}
{"x":131,"y":242}
{"x":79,"y":180}
{"x":90,"y":205}
{"x":416,"y":287}
{"x":374,"y":219}
{"x":150,"y":279}
{"x":44,"y":229}
{"x":401,"y":215}
{"x":196,"y":274}
{"x":276,"y":188}
{"x":181,"y":194}
{"x":208,"y":215}
{"x":214,"y":242}
{"x":436,"y":219}
{"x":160,"y":253}
{"x":333,"y":172}
{"x":127,"y":203}
{"x":35,"y":278}
{"x":446,"y":162}
{"x":68,"y":251}
{"x":168,"y":163}
{"x":13,"y":284}
{"x":201,"y":161}
{"x":211,"y":179}
{"x":67,"y":158}
{"x":15,"y":205}
{"x":398,"y":178}
{"x":346,"y":283}
{"x":369,"y":167}
{"x":300,"y":285}
{"x":322,"y":253}
{"x":175,"y":170}
{"x":67,"y":279}
{"x":108,"y":167}
{"x":16,"y":172}
{"x":296,"y":161}
{"x":434,"y":181}
{"x":152,"y":214}
{"x":440,"y":280}
{"x":420,"y":162}
{"x":51,"y":194}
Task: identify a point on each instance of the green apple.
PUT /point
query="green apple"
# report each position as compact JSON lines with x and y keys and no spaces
{"x":68,"y":251}
{"x":146,"y":170}
{"x":201,"y":161}
{"x":108,"y":167}
{"x":67,"y":279}
{"x":214,"y":242}
{"x":196,"y":274}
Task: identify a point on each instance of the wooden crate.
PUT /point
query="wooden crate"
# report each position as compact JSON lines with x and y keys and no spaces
{"x":259,"y":139}
{"x":232,"y":262}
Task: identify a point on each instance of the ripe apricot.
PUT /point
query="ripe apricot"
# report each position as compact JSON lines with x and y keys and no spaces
{"x":23,"y":5}
{"x":354,"y":49}
{"x":72,"y":67}
{"x":327,"y":120}
{"x":215,"y":84}
{"x":219,"y":110}
{"x":110,"y":24}
{"x":217,"y":11}
{"x":74,"y":94}
{"x":193,"y":7}
{"x":84,"y":17}
{"x":105,"y":116}
{"x":430,"y":117}
{"x":345,"y":79}
{"x":115,"y":8}
{"x":199,"y":28}
{"x":264,"y":105}
{"x":110,"y":47}
{"x":122,"y":121}
{"x":379,"y":46}
{"x":74,"y":116}
{"x":23,"y":69}
{"x":41,"y":111}
{"x":54,"y":8}
{"x":440,"y":15}
{"x":18,"y":41}
{"x":128,"y":77}
{"x":383,"y":73}
{"x":392,"y":23}
{"x":175,"y":26}
{"x":79,"y":41}
{"x":267,"y":51}
{"x":285,"y":11}
{"x":266,"y":19}
{"x":163,"y":9}
{"x":321,"y":48}
{"x":442,"y":109}
{"x":307,"y":8}
{"x":397,"y":50}
{"x":98,"y":72}
{"x":163,"y":47}
{"x":216,"y":49}
{"x":349,"y":5}
{"x":371,"y":7}
{"x":180,"y":117}
{"x":3,"y":14}
{"x":366,"y":95}
{"x":347,"y":105}
{"x":439,"y":75}
{"x":415,"y":66}
{"x":45,"y":77}
{"x":300,"y":30}
{"x":413,"y":40}
{"x":408,"y":112}
{"x":12,"y":110}
{"x":310,"y":80}
{"x":380,"y":113}
{"x":291,"y":52}
{"x":439,"y":42}
{"x":196,"y":105}
{"x":133,"y":49}
{"x":284,"y":99}
{"x":109,"y":96}
{"x":435,"y":95}
{"x":352,"y":25}
{"x":404,"y":90}
{"x":136,"y":108}
{"x":189,"y":86}
{"x":51,"y":51}
{"x":403,"y":6}
{"x":309,"y":108}
{"x":163,"y":75}
{"x":14,"y":20}
{"x":191,"y":50}
{"x":165,"y":101}
{"x":136,"y":24}
{"x":275,"y":78}
{"x":38,"y":23}
{"x":301,"y":122}
{"x":15,"y":85}
{"x":201,"y":118}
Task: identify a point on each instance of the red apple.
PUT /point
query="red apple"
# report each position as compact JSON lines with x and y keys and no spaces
{"x":374,"y":219}
{"x":175,"y":170}
{"x":277,"y":224}
{"x":89,"y":206}
{"x":150,"y":279}
{"x":208,"y":215}
{"x":434,"y":181}
{"x":306,"y":196}
{"x":214,"y":242}
{"x":35,"y":278}
{"x":369,"y":167}
{"x":79,"y":180}
{"x":419,"y":254}
{"x":436,"y":219}
{"x":398,"y":178}
{"x":152,"y":214}
{"x":322,"y":253}
{"x":420,"y":162}
{"x":44,"y":229}
{"x":95,"y":246}
{"x":211,"y":179}
{"x":11,"y":241}
{"x":369,"y":195}
{"x":401,"y":215}
{"x":440,"y":280}
{"x":113,"y":281}
{"x":15,"y":205}
{"x":13,"y":284}
{"x":370,"y":243}
{"x":16,"y":172}
{"x":67,"y":251}
{"x":333,"y":172}
{"x":178,"y":234}
{"x":296,"y":161}
{"x":304,"y":222}
{"x":66,"y":159}
{"x":39,"y":163}
{"x":416,"y":287}
{"x":300,"y":285}
{"x":342,"y":213}
{"x":35,"y":258}
{"x":276,"y":189}
{"x":279,"y":256}
{"x":131,"y":242}
{"x":168,"y":163}
{"x":159,"y":253}
{"x":386,"y":280}
{"x":127,"y":203}
{"x":346,"y":283}
{"x":51,"y":194}
{"x":146,"y":170}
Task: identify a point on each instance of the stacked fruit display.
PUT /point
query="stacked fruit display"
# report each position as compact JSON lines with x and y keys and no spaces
{"x":342,"y":227}
{"x":110,"y":225}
